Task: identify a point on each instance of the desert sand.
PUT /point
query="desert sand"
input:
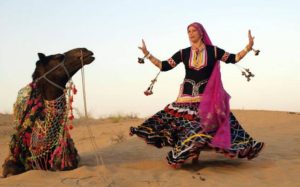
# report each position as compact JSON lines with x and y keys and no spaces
{"x":128,"y":161}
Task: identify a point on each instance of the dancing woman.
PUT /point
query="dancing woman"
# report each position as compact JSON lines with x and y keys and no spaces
{"x":200,"y":118}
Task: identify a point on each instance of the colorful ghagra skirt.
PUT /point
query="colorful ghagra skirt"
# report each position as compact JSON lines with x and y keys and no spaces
{"x":179,"y":126}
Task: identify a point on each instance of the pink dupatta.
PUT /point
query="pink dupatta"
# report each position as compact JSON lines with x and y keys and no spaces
{"x":214,"y":109}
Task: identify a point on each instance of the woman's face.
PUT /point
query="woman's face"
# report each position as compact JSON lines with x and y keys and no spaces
{"x":194,"y":35}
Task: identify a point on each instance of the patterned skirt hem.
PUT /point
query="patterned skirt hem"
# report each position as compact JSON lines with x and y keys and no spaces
{"x":178,"y":126}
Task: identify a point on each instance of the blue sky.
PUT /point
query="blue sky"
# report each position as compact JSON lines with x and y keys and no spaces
{"x":114,"y":29}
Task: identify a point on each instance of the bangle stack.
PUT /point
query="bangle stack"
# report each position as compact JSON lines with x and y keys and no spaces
{"x":142,"y":60}
{"x":148,"y":56}
{"x":246,"y":49}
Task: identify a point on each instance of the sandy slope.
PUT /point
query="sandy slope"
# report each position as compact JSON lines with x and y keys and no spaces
{"x":129,"y":162}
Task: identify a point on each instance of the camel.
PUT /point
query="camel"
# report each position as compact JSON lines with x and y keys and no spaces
{"x":42,"y":115}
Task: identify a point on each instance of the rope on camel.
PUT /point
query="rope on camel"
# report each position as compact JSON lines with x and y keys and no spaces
{"x":91,"y":135}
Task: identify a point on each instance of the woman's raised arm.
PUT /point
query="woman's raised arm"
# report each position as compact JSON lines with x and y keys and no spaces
{"x":147,"y":54}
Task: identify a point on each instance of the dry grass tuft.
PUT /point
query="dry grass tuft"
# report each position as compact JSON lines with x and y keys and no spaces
{"x":118,"y":138}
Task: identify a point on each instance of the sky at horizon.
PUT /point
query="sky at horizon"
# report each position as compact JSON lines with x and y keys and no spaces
{"x":113,"y":30}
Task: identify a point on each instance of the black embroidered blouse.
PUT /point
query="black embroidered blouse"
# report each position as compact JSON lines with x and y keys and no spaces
{"x":198,"y":65}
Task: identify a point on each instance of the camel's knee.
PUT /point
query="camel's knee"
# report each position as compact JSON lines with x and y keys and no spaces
{"x":11,"y":167}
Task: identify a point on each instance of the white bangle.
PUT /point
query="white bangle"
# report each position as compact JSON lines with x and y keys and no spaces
{"x":148,"y":56}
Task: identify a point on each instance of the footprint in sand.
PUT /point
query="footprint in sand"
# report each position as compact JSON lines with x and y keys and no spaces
{"x":199,"y":176}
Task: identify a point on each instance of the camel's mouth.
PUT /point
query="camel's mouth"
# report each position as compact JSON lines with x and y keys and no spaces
{"x":79,"y":54}
{"x":88,"y":57}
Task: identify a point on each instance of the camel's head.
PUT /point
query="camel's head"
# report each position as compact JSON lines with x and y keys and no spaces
{"x":72,"y":60}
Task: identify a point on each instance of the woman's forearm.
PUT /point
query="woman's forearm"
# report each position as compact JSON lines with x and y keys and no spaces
{"x":149,"y":56}
{"x":240,"y":55}
{"x":154,"y":60}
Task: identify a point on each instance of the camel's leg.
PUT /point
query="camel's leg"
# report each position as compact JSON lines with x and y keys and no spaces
{"x":11,"y":167}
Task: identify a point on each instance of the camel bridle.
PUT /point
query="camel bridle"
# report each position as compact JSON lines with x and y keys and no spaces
{"x":60,"y":64}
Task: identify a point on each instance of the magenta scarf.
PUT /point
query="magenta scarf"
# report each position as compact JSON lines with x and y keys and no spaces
{"x":214,"y":108}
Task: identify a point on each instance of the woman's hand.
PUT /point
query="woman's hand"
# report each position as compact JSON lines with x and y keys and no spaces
{"x":144,"y":48}
{"x":251,"y":40}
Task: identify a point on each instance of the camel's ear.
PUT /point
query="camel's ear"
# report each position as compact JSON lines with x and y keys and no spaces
{"x":41,"y":56}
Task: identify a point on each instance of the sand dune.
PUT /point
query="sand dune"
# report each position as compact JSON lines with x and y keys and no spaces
{"x":129,"y":162}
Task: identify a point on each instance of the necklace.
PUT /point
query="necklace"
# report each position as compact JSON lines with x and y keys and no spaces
{"x":198,"y":57}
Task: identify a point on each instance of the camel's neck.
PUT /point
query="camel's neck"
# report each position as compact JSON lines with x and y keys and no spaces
{"x":53,"y":123}
{"x":50,"y":92}
{"x":55,"y":108}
